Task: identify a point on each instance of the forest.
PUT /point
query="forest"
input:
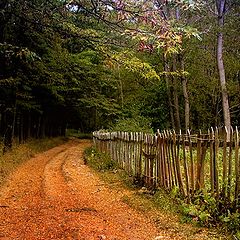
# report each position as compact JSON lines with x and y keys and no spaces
{"x":117,"y":64}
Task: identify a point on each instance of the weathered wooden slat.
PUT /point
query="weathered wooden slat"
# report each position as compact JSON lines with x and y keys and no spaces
{"x":185,"y":165}
{"x":165,"y":166}
{"x":192,"y":181}
{"x":237,"y":169}
{"x":199,"y":152}
{"x":176,"y":139}
{"x":230,"y":165}
{"x":160,"y":161}
{"x":212,"y":155}
{"x":224,"y":161}
{"x":151,"y":161}
{"x":171,"y":168}
{"x":173,"y":155}
{"x":215,"y":163}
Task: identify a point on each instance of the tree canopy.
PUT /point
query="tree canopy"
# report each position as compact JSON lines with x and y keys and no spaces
{"x":114,"y":64}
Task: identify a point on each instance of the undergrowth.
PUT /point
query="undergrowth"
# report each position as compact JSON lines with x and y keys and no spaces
{"x":165,"y":210}
{"x":77,"y":134}
{"x":99,"y":161}
{"x":206,"y":210}
{"x":22,"y":152}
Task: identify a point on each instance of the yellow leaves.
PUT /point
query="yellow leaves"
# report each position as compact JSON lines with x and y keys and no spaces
{"x":8,"y":82}
{"x":89,"y":33}
{"x":70,"y":27}
{"x":109,"y":63}
{"x":175,"y":73}
{"x":73,"y":29}
{"x":171,"y":41}
{"x":177,"y":38}
{"x":132,"y":64}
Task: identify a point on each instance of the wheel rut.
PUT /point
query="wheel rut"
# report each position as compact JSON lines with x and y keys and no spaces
{"x":56,"y":196}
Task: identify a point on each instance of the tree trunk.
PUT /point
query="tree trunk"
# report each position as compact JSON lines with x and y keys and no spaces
{"x":166,"y":69}
{"x":185,"y":94}
{"x":121,"y":86}
{"x":29,"y":123}
{"x":8,"y":134}
{"x":1,"y":123}
{"x":186,"y":102}
{"x":3,"y":20}
{"x":38,"y":127}
{"x":21,"y":129}
{"x":225,"y":103}
{"x":175,"y":96}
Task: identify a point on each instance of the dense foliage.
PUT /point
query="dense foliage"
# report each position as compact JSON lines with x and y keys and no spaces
{"x":124,"y":65}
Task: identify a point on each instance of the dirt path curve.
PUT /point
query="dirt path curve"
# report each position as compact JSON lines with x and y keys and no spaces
{"x":55,"y":196}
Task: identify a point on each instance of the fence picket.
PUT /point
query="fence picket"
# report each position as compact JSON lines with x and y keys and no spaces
{"x":215,"y":163}
{"x":173,"y":147}
{"x":185,"y":165}
{"x":224,"y":160}
{"x":192,"y":186}
{"x":237,"y":169}
{"x":230,"y":165}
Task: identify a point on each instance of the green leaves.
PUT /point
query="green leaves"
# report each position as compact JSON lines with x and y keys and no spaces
{"x":11,"y":52}
{"x":135,"y":65}
{"x":189,"y":32}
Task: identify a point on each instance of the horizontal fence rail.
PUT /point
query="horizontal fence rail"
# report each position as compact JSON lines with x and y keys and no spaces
{"x":191,"y":162}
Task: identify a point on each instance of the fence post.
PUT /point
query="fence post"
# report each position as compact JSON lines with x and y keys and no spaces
{"x":237,"y":169}
{"x":215,"y":163}
{"x":185,"y":166}
{"x":173,"y":159}
{"x":201,"y":154}
{"x":230,"y":164}
{"x":192,"y":186}
{"x":176,"y":140}
{"x":224,"y":160}
{"x":168,"y":152}
{"x":159,"y":160}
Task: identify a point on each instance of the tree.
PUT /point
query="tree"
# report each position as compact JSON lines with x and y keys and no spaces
{"x":50,"y":72}
{"x":92,"y":64}
{"x":221,"y":10}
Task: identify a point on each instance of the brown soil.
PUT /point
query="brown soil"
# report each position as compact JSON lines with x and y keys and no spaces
{"x":55,"y":196}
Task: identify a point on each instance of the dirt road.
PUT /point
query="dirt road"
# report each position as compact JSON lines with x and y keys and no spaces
{"x":55,"y":196}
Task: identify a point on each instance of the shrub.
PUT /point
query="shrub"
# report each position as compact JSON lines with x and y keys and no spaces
{"x":99,"y":161}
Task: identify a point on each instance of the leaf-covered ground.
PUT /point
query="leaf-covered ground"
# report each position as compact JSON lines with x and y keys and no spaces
{"x":55,"y":196}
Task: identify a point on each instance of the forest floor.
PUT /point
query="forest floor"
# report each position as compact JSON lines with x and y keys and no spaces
{"x":54,"y":195}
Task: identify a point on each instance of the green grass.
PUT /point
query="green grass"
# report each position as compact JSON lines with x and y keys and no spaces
{"x":110,"y":172}
{"x":77,"y":134}
{"x":20,"y":153}
{"x":99,"y":161}
{"x":159,"y":205}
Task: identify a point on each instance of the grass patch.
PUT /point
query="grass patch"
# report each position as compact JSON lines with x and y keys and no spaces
{"x":145,"y":201}
{"x":99,"y":161}
{"x":160,"y":206}
{"x":108,"y":170}
{"x":20,"y":153}
{"x":77,"y":134}
{"x":141,"y":198}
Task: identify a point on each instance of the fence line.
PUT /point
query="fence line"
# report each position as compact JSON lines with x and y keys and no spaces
{"x":190,"y":162}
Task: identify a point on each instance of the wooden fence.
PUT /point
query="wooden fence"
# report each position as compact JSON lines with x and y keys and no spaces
{"x":190,"y":162}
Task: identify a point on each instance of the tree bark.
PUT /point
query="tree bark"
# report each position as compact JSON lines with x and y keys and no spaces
{"x":221,"y":4}
{"x":175,"y":96}
{"x":3,"y":20}
{"x":8,"y":134}
{"x":29,"y":124}
{"x":166,"y":69}
{"x":185,"y":94}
